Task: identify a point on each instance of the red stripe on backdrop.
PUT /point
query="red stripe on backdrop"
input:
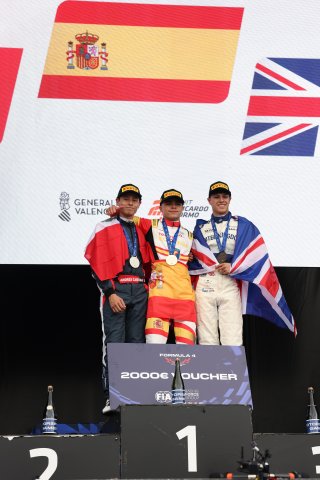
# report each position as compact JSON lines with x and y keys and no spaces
{"x":146,"y":15}
{"x":282,"y":79}
{"x":274,"y":137}
{"x":133,"y":89}
{"x":10,"y":60}
{"x":284,"y":106}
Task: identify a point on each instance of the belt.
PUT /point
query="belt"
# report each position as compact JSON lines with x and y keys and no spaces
{"x":130,"y":279}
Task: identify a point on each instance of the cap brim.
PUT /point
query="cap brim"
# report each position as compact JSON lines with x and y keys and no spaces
{"x":129,"y":192}
{"x":219,"y":190}
{"x":168,"y":199}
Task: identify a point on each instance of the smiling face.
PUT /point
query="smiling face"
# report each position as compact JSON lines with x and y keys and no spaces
{"x":219,"y":203}
{"x":128,"y":204}
{"x":172,"y":210}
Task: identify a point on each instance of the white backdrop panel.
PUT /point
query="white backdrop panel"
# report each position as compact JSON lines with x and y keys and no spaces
{"x":89,"y":148}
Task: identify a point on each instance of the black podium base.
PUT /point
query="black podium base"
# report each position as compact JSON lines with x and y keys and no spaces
{"x":155,"y":442}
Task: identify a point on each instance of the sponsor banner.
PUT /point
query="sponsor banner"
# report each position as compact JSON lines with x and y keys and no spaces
{"x":141,"y":52}
{"x":72,"y":205}
{"x":191,"y":209}
{"x":181,"y":123}
{"x":143,"y":374}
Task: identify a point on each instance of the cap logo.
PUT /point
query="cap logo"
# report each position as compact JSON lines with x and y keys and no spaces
{"x":132,"y":188}
{"x":172,"y":193}
{"x":219,"y":185}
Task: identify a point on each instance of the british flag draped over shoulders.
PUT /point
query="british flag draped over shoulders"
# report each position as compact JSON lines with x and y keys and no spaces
{"x":261,"y":293}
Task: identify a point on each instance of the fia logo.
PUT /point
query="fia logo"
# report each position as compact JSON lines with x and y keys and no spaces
{"x":163,"y":397}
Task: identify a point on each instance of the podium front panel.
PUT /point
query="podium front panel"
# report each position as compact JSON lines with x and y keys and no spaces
{"x":142,"y":374}
{"x":89,"y":457}
{"x":183,"y":441}
{"x":293,"y":452}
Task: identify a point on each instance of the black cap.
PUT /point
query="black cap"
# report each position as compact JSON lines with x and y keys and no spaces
{"x":129,"y":189}
{"x":171,"y":194}
{"x":219,"y":187}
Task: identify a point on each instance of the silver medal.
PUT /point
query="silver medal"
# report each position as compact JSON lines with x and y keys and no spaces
{"x":134,"y":262}
{"x":171,"y":260}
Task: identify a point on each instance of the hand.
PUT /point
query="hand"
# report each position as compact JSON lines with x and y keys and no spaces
{"x":224,"y":268}
{"x":112,"y":211}
{"x":190,"y":257}
{"x":116,"y":303}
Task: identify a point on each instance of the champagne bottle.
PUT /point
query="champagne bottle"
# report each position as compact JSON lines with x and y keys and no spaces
{"x":178,"y":393}
{"x":49,"y":424}
{"x":312,"y":420}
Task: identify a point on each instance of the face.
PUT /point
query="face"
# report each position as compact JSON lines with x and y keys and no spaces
{"x":219,"y":203}
{"x":172,"y":210}
{"x":128,"y":204}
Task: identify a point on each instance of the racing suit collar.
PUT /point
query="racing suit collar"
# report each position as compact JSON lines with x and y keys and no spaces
{"x":170,"y":223}
{"x":126,"y":220}
{"x":223,"y":218}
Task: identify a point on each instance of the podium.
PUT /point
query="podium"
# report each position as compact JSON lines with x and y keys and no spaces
{"x":182,"y":441}
{"x":155,"y":441}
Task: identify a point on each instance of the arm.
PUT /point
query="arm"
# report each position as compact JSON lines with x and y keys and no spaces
{"x":143,"y":223}
{"x":112,"y":211}
{"x":107,"y":287}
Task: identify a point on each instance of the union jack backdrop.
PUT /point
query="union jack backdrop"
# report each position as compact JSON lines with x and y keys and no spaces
{"x":284,"y":108}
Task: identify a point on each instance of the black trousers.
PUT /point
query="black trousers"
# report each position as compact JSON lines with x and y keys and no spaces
{"x":124,"y":327}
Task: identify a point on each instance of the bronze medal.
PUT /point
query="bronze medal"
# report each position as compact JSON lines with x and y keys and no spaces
{"x":221,"y":257}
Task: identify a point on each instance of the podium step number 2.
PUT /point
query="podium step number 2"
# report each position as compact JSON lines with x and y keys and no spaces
{"x":52,"y":461}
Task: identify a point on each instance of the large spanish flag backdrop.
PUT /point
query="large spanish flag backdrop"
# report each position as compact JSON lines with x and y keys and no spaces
{"x":141,"y":52}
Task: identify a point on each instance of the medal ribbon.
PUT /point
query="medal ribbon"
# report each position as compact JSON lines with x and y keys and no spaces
{"x":171,"y":244}
{"x":221,"y":246}
{"x":132,"y":245}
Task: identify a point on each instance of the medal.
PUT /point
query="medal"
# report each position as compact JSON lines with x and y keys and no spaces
{"x":171,"y":260}
{"x":132,"y":243}
{"x":134,"y":262}
{"x":222,"y":257}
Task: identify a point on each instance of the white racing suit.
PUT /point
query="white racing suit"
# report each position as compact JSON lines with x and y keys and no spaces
{"x":218,"y":302}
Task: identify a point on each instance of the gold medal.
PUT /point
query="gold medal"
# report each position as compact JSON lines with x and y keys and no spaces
{"x":171,"y":260}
